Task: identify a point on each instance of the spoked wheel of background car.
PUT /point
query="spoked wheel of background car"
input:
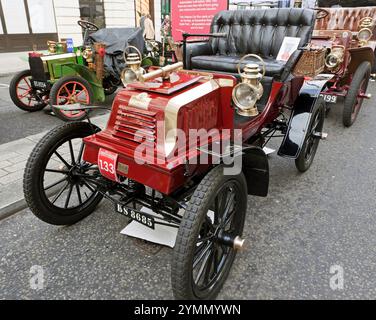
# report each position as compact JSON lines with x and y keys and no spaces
{"x":71,"y":90}
{"x":58,"y":185}
{"x":312,"y":138}
{"x":209,"y":232}
{"x":23,"y":95}
{"x":358,"y":87}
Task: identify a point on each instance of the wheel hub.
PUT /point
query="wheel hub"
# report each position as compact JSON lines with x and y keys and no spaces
{"x":230,"y":240}
{"x":74,"y":173}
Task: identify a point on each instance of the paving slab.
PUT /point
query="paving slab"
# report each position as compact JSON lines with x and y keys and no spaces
{"x":13,"y":158}
{"x":12,"y":62}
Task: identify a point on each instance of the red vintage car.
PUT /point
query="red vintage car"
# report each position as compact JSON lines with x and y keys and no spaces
{"x":349,"y":36}
{"x":187,"y":145}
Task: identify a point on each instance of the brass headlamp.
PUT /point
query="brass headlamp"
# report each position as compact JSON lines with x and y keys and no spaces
{"x":88,"y":54}
{"x":134,"y":70}
{"x":246,"y":94}
{"x":52,"y":47}
{"x":335,"y":58}
{"x":365,"y":31}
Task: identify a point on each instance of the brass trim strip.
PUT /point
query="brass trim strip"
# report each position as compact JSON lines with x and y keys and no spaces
{"x":58,"y":56}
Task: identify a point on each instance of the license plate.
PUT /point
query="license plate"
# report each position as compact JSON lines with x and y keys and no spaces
{"x":139,"y":216}
{"x":39,"y":84}
{"x":329,"y":98}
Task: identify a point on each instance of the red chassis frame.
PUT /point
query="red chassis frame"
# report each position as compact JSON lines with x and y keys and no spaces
{"x":169,"y":176}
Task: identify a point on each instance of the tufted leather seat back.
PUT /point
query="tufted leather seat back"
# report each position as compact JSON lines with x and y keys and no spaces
{"x":260,"y":31}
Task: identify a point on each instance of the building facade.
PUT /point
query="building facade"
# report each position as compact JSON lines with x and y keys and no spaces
{"x":29,"y":24}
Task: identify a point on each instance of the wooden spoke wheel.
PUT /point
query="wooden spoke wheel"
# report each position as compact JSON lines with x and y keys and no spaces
{"x":24,"y":96}
{"x":205,"y":246}
{"x":71,"y":90}
{"x":354,"y":98}
{"x":312,"y":138}
{"x":58,"y":185}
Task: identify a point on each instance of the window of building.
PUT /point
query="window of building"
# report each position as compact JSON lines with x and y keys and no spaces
{"x":1,"y":27}
{"x":93,"y":11}
{"x":15,"y":16}
{"x":165,"y":8}
{"x":42,"y":16}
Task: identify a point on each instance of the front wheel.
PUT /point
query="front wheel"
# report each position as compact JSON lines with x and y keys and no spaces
{"x":358,"y":87}
{"x":71,"y":90}
{"x":23,"y":95}
{"x":312,"y":138}
{"x":57,"y":183}
{"x":205,"y":246}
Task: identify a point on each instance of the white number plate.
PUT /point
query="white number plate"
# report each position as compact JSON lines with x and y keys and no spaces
{"x":139,"y":216}
{"x":329,"y":98}
{"x":39,"y":84}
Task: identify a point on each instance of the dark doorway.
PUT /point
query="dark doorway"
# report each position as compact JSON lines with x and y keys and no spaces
{"x":93,"y":11}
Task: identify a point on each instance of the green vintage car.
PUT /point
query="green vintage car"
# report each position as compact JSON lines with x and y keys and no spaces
{"x":85,"y":75}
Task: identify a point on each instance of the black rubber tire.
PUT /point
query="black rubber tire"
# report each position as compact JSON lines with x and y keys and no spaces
{"x":55,"y":89}
{"x":181,"y":266}
{"x":362,"y":72}
{"x":13,"y":93}
{"x":33,"y":176}
{"x":301,"y":162}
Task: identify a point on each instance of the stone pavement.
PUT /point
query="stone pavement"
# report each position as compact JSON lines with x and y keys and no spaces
{"x":12,"y":62}
{"x":13,"y":158}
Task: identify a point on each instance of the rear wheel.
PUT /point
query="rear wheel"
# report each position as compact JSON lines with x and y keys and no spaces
{"x":23,"y":95}
{"x":358,"y":86}
{"x":312,"y":139}
{"x":204,"y":251}
{"x":71,"y":90}
{"x":57,"y":182}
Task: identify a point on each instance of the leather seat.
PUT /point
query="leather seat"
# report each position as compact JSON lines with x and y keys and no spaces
{"x":259,"y":31}
{"x":230,"y":64}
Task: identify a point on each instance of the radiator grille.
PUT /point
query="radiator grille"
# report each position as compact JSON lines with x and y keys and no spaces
{"x":136,"y":126}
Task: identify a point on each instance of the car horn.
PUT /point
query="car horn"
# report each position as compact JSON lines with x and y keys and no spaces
{"x":133,"y":61}
{"x":246,"y":94}
{"x":335,"y":57}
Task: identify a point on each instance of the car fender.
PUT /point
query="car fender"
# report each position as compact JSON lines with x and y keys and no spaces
{"x":255,"y":167}
{"x":251,"y":161}
{"x":309,"y":96}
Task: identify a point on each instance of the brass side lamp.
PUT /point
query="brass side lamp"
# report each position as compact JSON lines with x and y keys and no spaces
{"x":246,"y":94}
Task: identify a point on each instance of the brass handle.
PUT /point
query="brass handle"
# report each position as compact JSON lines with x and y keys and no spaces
{"x":161,"y":72}
{"x":254,"y":56}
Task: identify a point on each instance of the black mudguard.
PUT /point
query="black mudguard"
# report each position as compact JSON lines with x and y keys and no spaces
{"x":309,"y":96}
{"x":255,"y":167}
{"x":252,"y":161}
